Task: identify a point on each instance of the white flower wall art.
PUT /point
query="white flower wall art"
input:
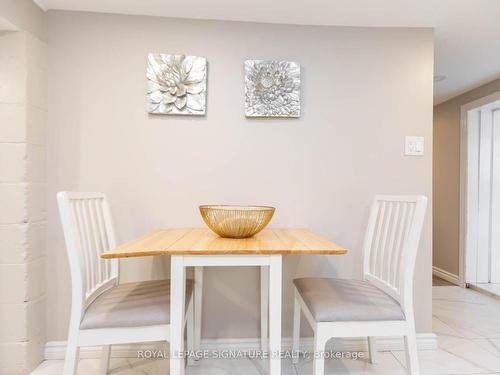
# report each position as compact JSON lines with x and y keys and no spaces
{"x":177,"y":84}
{"x":272,"y":88}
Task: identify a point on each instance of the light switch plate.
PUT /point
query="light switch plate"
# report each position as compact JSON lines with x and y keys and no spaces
{"x":414,"y":146}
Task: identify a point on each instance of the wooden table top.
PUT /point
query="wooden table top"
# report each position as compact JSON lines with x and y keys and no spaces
{"x":206,"y":242}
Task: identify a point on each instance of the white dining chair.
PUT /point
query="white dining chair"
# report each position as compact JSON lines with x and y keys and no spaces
{"x":103,"y":311}
{"x":382,"y":303}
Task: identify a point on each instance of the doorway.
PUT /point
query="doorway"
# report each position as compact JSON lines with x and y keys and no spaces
{"x":480,"y":194}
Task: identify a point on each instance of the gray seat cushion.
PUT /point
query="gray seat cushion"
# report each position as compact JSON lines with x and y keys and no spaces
{"x":331,"y":300}
{"x":136,"y":304}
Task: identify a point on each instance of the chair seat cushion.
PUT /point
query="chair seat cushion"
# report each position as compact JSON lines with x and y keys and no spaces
{"x":331,"y":300}
{"x":136,"y":304}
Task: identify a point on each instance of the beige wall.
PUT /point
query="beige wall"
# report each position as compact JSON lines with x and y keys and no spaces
{"x":363,"y":90}
{"x":446,"y":173}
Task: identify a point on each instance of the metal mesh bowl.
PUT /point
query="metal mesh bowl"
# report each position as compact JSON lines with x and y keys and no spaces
{"x":236,"y":221}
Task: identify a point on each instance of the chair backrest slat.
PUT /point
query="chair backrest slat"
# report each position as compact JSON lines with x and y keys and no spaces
{"x":87,"y":245}
{"x":88,"y":231}
{"x":383,"y":241}
{"x":407,"y":227}
{"x":103,"y":238}
{"x":94,"y":204}
{"x":386,"y":267}
{"x":399,"y":229}
{"x":81,"y":240}
{"x":391,"y":244}
{"x":377,"y":236}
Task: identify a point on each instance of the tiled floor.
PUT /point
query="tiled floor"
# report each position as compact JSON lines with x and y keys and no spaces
{"x":467,"y":324}
{"x":489,"y":289}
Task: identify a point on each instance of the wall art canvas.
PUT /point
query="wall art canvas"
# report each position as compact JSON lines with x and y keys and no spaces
{"x":177,"y":84}
{"x":272,"y":88}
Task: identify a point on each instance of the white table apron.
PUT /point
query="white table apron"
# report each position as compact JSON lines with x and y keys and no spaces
{"x":178,"y":292}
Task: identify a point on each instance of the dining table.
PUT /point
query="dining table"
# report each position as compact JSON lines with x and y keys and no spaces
{"x":200,"y":247}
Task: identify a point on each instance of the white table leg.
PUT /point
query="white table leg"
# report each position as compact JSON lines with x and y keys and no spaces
{"x":274,"y":314}
{"x":198,"y":290}
{"x":264,"y":305}
{"x":177,"y":303}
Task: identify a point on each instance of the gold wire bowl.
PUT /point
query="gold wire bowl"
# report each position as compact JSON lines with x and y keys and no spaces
{"x":236,"y":221}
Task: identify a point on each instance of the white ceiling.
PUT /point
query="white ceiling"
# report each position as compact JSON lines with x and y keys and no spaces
{"x":467,"y":31}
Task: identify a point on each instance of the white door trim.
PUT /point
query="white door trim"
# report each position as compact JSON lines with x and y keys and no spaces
{"x":494,"y":264}
{"x":445,"y":275}
{"x":463,"y":229}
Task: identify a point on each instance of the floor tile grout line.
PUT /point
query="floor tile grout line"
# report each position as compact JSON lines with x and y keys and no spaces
{"x":397,"y":360}
{"x":492,"y":343}
{"x":467,"y":360}
{"x":462,"y":301}
{"x":450,"y":327}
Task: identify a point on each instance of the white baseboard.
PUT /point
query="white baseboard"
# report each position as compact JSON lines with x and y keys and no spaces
{"x":425,"y":341}
{"x":445,"y":275}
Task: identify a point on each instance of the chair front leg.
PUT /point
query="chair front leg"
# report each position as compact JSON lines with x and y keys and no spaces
{"x":296,"y":329}
{"x":72,"y":354}
{"x":105,"y":356}
{"x":410,"y":339}
{"x":319,"y":352}
{"x":372,"y":349}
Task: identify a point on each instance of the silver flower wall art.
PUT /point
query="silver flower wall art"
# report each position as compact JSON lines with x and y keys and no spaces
{"x":177,"y":84}
{"x":272,"y":88}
